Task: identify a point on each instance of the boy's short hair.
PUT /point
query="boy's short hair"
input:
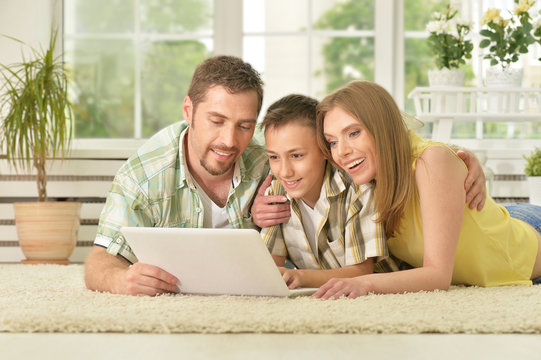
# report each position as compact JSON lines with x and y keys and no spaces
{"x":291,"y":108}
{"x":228,"y":71}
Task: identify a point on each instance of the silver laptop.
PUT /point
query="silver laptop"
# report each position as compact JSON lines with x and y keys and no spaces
{"x":212,"y":261}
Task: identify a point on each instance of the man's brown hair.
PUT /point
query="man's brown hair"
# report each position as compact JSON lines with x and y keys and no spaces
{"x":228,"y":71}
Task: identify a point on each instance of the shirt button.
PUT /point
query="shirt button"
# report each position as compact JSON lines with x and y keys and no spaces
{"x":197,"y":210}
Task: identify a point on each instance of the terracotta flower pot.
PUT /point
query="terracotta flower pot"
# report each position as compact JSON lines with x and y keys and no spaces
{"x":47,"y":231}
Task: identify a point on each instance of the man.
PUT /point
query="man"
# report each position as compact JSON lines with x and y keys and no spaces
{"x":202,"y":172}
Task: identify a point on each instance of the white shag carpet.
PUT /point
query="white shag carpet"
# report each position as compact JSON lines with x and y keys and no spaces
{"x":53,"y":298}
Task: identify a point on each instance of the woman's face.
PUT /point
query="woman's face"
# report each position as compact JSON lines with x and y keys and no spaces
{"x":352,"y":147}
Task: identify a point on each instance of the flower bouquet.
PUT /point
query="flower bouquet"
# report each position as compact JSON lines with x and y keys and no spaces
{"x":448,"y":43}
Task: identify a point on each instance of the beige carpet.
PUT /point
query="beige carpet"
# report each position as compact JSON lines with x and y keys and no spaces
{"x":53,"y":298}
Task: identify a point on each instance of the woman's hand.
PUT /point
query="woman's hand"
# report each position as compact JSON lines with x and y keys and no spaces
{"x":347,"y":287}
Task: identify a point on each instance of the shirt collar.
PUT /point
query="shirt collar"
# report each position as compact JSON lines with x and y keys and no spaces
{"x":335,"y":181}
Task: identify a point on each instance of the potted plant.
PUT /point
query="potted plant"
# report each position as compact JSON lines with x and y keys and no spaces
{"x":448,"y":43}
{"x":533,"y":171}
{"x":35,"y":128}
{"x":506,"y":39}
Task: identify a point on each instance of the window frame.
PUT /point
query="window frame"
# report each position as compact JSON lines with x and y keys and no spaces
{"x":389,"y":38}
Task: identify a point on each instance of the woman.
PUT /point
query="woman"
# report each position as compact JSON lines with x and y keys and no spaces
{"x":420,"y":200}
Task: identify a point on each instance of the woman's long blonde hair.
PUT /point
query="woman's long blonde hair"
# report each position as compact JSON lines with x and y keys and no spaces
{"x":376,"y":110}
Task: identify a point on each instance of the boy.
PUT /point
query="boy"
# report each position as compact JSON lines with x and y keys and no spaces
{"x":331,"y":232}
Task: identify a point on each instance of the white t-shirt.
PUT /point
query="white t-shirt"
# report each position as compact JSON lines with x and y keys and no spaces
{"x":213,"y":216}
{"x":307,"y":214}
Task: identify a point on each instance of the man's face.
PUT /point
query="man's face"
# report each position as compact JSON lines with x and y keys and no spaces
{"x":220,"y":129}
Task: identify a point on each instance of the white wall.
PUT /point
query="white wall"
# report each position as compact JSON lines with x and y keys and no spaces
{"x":27,"y":20}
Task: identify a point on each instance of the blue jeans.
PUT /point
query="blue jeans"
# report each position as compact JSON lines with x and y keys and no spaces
{"x":528,"y":213}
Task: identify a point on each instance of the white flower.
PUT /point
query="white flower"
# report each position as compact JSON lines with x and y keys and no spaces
{"x":436,"y":26}
{"x":537,"y":23}
{"x":437,"y":16}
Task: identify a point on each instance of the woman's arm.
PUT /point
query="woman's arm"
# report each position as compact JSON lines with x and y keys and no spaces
{"x":439,"y":178}
{"x":315,"y":278}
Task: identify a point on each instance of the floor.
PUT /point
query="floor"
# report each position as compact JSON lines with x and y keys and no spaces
{"x":268,"y":346}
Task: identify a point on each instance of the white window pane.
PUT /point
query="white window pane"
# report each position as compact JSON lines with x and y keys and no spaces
{"x":282,"y":62}
{"x":99,"y":16}
{"x":417,"y":13}
{"x":167,"y":70}
{"x":179,"y":16}
{"x":130,"y":73}
{"x":343,"y":15}
{"x":339,"y":60}
{"x":103,"y":71}
{"x":275,"y":15}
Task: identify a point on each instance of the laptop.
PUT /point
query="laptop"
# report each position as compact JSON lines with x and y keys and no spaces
{"x":212,"y":261}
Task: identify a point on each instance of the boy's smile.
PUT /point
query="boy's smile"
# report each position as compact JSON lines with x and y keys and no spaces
{"x":296,"y":161}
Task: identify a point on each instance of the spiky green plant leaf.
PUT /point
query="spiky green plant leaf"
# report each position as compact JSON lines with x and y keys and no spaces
{"x":37,"y":122}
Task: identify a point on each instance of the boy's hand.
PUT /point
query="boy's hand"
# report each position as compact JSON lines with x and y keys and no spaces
{"x":291,"y":277}
{"x":269,"y":210}
{"x":475,"y":184}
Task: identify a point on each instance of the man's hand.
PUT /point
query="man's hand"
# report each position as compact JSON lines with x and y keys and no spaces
{"x":113,"y":273}
{"x":475,"y":183}
{"x":269,"y":210}
{"x":144,"y":279}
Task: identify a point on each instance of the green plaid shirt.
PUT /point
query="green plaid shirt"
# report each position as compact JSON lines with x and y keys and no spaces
{"x":154,"y":189}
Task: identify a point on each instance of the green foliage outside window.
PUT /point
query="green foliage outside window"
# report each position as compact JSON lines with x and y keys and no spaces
{"x":341,"y":54}
{"x":346,"y":57}
{"x":106,"y":72}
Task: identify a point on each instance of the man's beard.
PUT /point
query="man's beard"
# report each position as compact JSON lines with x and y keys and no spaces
{"x":215,"y":171}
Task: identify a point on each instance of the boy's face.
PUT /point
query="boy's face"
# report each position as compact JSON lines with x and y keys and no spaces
{"x":296,"y":161}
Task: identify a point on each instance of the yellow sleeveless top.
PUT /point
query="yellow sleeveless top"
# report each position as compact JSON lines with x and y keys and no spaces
{"x":493,"y":248}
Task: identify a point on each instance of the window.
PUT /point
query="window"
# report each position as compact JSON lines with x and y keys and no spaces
{"x":133,"y":63}
{"x":312,"y":48}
